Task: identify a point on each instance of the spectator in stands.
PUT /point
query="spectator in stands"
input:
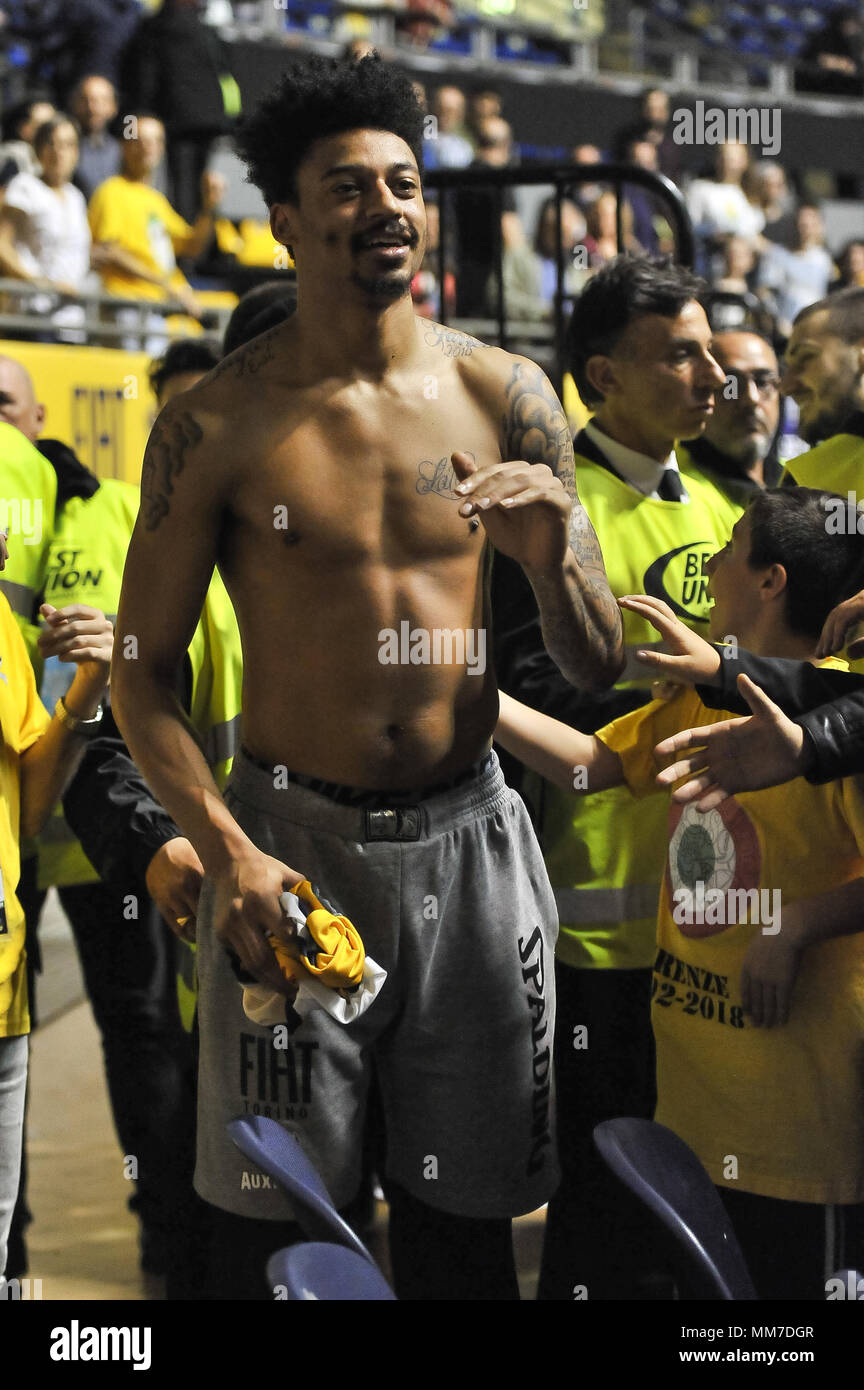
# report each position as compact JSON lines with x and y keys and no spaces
{"x":94,"y":106}
{"x":484,"y":103}
{"x":737,"y":451}
{"x":452,"y":147}
{"x":475,"y":210}
{"x":44,"y":235}
{"x":718,"y":206}
{"x":601,"y":240}
{"x":792,"y":280}
{"x":655,"y":116}
{"x":737,"y":275}
{"x":259,"y":309}
{"x":850,"y":264}
{"x":833,"y":61}
{"x":530,"y":272}
{"x":184,"y":363}
{"x":180,"y":70}
{"x":421,"y":22}
{"x":69,"y":38}
{"x":587,"y":193}
{"x":425,"y":286}
{"x":358,"y":48}
{"x":653,"y":126}
{"x":649,"y":226}
{"x":17,"y":155}
{"x":138,"y":231}
{"x":772,"y":194}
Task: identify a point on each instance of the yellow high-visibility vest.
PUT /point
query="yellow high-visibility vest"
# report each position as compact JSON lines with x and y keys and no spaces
{"x":605,"y":852}
{"x":84,"y":564}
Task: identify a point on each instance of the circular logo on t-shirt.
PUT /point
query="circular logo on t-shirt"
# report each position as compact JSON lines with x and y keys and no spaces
{"x":716,"y":849}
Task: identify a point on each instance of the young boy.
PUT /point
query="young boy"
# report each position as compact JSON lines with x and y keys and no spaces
{"x":775,"y":1113}
{"x":37,"y":755}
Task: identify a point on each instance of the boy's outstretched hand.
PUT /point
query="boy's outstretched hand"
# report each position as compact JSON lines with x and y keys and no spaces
{"x":690,"y":659}
{"x":839,"y":628}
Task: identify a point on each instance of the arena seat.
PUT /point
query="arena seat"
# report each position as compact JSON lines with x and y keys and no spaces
{"x":326,"y":1273}
{"x":279,"y":1154}
{"x":747,"y":28}
{"x":668,"y":1179}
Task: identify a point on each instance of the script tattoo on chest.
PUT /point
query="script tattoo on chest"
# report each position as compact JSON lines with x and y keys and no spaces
{"x":441,"y":477}
{"x":451,"y":343}
{"x":163,"y":462}
{"x":437,"y":477}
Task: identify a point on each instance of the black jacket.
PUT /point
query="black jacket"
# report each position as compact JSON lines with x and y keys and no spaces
{"x":828,"y":704}
{"x":108,"y":804}
{"x":173,"y":70}
{"x":112,"y":810}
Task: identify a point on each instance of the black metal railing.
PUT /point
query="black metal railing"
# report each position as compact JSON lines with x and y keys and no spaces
{"x":563,"y":178}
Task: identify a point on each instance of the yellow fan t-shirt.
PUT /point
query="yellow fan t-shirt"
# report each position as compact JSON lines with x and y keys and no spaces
{"x":780,"y":1111}
{"x":23,"y":719}
{"x":144,"y":223}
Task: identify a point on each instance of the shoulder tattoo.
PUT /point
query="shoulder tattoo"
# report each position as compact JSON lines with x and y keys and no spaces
{"x":535,"y":426}
{"x":164,"y":460}
{"x":451,"y":343}
{"x":248,"y":360}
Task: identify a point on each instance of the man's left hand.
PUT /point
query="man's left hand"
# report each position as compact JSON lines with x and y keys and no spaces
{"x":524,"y":508}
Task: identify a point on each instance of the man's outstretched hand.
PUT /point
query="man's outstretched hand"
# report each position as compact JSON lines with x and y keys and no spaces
{"x":737,"y":755}
{"x":524,"y":508}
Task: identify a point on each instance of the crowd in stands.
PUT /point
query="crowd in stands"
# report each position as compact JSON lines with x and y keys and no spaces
{"x":105,"y":186}
{"x":671,"y":466}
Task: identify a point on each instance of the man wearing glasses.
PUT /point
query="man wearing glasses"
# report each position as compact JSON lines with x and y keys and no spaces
{"x":737,"y":451}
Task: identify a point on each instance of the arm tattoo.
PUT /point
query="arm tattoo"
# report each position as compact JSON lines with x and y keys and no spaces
{"x":536,"y":430}
{"x":164,"y":460}
{"x":451,"y":343}
{"x":535,"y":426}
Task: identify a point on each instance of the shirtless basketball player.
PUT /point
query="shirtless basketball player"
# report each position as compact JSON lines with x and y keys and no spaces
{"x":337,"y":469}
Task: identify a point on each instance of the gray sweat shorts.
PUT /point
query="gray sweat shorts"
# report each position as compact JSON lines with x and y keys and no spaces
{"x":451,"y":897}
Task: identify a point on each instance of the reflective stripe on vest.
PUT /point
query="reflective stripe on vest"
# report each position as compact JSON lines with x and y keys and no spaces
{"x":21,"y":599}
{"x":632,"y":902}
{"x":222,"y":741}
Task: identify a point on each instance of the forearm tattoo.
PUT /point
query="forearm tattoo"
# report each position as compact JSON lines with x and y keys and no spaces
{"x":536,"y":429}
{"x":164,"y":460}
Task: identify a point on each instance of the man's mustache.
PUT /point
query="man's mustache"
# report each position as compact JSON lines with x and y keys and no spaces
{"x":409,"y":235}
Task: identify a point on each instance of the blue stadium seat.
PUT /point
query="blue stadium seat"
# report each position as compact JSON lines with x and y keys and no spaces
{"x":278,"y":1153}
{"x":668,"y":1179}
{"x":326,"y":1273}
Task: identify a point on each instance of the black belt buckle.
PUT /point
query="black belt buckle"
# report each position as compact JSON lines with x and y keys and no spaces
{"x":400,"y":823}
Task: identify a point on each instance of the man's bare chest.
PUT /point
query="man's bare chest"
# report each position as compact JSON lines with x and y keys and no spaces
{"x":360,"y":485}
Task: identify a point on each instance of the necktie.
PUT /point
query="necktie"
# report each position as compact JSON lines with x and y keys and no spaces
{"x":670,"y":488}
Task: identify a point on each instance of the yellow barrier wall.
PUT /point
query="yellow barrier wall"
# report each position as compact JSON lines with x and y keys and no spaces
{"x":98,"y":400}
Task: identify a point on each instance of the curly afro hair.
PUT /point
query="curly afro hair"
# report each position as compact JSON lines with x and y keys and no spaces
{"x":319,"y":97}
